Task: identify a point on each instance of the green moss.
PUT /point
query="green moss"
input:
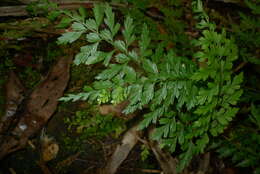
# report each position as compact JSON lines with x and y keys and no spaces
{"x":87,"y":123}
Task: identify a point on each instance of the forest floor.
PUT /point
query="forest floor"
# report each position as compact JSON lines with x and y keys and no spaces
{"x":81,"y":144}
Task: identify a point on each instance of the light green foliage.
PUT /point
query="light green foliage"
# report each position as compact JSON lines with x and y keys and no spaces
{"x":145,"y":153}
{"x":188,"y":104}
{"x":87,"y":125}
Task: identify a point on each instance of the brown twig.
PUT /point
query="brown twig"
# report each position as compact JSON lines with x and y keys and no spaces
{"x":21,"y":9}
{"x":31,"y":144}
{"x":142,"y":170}
{"x":68,"y":161}
{"x":12,"y":171}
{"x":44,"y":167}
{"x":240,"y":66}
{"x":204,"y":164}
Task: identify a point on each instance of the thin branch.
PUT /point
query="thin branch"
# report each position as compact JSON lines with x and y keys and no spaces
{"x":21,"y":10}
{"x":240,"y":66}
{"x":142,"y":170}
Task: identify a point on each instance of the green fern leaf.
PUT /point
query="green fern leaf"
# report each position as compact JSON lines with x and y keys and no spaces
{"x":106,"y":35}
{"x":122,"y":58}
{"x":160,"y":95}
{"x":98,"y":85}
{"x":145,"y":41}
{"x":109,"y":73}
{"x":69,"y":37}
{"x":110,"y":18}
{"x":93,"y":37}
{"x":91,"y":24}
{"x":98,"y":14}
{"x":151,"y":117}
{"x":108,"y":57}
{"x":130,"y":74}
{"x":149,"y":66}
{"x":148,"y":93}
{"x":128,"y":31}
{"x":76,"y":26}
